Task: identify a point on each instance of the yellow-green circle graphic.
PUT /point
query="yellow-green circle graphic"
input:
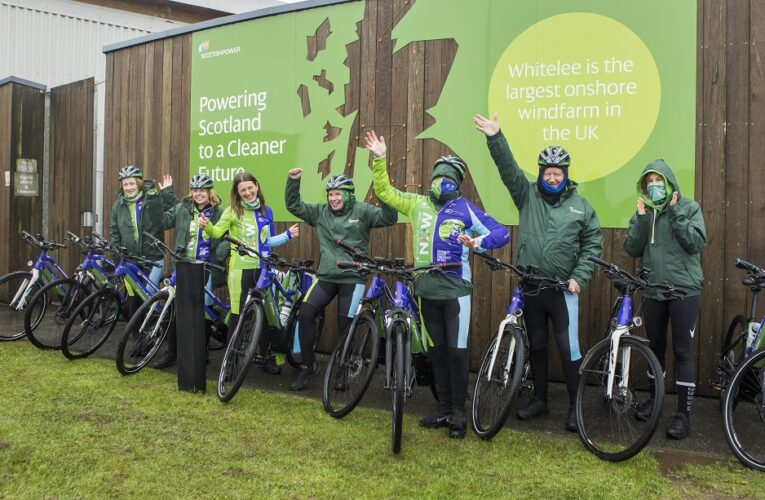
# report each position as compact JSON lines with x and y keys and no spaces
{"x":582,"y":81}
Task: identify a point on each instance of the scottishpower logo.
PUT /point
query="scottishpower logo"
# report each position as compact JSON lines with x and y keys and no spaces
{"x":205,"y":52}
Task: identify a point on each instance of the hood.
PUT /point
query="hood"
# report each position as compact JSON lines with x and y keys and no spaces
{"x":660,"y":167}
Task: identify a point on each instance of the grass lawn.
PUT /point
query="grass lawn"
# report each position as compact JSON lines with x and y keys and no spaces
{"x":79,"y":429}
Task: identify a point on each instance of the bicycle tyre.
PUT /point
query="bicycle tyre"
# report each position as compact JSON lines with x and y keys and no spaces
{"x":240,"y":351}
{"x":495,"y":392}
{"x":144,"y":333}
{"x":608,"y":428}
{"x":49,"y":337}
{"x":294,"y":358}
{"x":397,"y":329}
{"x":99,"y":314}
{"x":743,"y":412}
{"x":351,"y":365}
{"x":12,"y":318}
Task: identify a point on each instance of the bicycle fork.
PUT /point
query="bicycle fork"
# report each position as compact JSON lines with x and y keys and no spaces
{"x":511,"y":319}
{"x":162,"y":315}
{"x":19,"y":301}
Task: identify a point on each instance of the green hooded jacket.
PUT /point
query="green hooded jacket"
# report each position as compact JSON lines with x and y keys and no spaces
{"x":668,"y":238}
{"x":154,"y":204}
{"x":351,"y":224}
{"x":181,"y":217}
{"x":554,"y":238}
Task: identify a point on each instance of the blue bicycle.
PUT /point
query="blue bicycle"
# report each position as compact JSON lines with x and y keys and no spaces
{"x":619,"y":375}
{"x":94,"y":319}
{"x":62,"y":296}
{"x":17,"y":288}
{"x":149,"y":326}
{"x":260,"y":315}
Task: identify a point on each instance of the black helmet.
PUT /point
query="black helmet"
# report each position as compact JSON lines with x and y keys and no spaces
{"x":130,"y":171}
{"x":201,"y":181}
{"x":554,"y":156}
{"x":453,"y":161}
{"x":340,"y":182}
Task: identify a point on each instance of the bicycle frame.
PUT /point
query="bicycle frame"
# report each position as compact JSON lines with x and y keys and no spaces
{"x":404,"y":311}
{"x":45,"y":268}
{"x":136,"y":279}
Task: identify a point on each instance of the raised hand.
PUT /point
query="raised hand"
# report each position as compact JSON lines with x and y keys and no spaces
{"x":167,"y":181}
{"x":488,"y":127}
{"x":640,"y":206}
{"x":375,"y":144}
{"x":294,"y":231}
{"x":295,"y":173}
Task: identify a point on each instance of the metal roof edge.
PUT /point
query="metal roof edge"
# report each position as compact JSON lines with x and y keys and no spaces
{"x":223,"y":21}
{"x":21,"y":81}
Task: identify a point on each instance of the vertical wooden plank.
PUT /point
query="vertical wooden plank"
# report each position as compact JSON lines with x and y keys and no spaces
{"x":712,"y":177}
{"x":756,"y":243}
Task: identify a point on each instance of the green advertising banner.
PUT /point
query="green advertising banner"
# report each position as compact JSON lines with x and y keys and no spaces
{"x":611,"y":81}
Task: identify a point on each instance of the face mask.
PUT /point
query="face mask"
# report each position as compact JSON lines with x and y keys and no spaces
{"x":657,"y":191}
{"x":443,"y":189}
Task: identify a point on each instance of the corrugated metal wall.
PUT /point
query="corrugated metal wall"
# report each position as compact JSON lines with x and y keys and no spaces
{"x":55,"y":42}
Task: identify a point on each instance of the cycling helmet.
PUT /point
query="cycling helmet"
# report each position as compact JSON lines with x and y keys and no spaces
{"x":201,"y":181}
{"x":458,"y":167}
{"x":340,"y":182}
{"x":554,"y":156}
{"x":130,"y":171}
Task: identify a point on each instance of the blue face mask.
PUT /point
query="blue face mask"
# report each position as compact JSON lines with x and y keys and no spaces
{"x":443,"y":189}
{"x":657,"y":191}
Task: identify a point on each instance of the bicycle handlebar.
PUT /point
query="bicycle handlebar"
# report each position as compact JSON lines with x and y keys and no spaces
{"x":614,"y":272}
{"x":527,"y":275}
{"x":742,"y":264}
{"x":40,"y":242}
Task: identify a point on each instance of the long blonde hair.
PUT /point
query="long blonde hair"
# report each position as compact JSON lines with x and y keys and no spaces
{"x":211,"y":194}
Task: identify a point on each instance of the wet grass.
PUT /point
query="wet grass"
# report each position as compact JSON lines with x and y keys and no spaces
{"x":79,"y":429}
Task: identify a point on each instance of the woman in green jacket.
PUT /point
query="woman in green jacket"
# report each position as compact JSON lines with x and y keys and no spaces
{"x":341,"y":218}
{"x":667,"y":233}
{"x":184,"y":217}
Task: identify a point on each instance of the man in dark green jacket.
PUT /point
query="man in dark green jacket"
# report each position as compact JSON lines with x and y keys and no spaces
{"x":341,"y":218}
{"x":558,"y":230}
{"x":667,"y":233}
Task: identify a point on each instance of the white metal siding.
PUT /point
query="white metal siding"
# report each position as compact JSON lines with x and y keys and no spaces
{"x":54,"y":42}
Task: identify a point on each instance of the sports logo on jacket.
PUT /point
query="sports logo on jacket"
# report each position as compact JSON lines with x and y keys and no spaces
{"x":450,"y":228}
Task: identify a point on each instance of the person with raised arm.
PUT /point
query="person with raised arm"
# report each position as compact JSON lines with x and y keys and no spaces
{"x":445,"y":226}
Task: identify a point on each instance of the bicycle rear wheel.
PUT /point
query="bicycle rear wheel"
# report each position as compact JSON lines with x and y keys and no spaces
{"x":145,"y":333}
{"x":398,"y":331}
{"x":351,"y":366}
{"x":240,"y":351}
{"x":496,"y":389}
{"x":744,"y":412}
{"x":91,"y":323}
{"x":292,"y":351}
{"x":607,"y":425}
{"x":59,"y":298}
{"x":14,"y":298}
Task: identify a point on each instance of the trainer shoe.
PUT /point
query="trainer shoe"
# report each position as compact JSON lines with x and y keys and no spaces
{"x":302,"y":375}
{"x":436,"y":420}
{"x":168,"y":359}
{"x":535,"y":408}
{"x":680,"y":427}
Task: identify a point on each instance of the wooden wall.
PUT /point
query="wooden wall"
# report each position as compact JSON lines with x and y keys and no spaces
{"x":147,"y":116}
{"x":22,"y":117}
{"x":71,"y":164}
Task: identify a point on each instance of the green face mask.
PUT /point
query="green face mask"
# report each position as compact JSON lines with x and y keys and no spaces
{"x":253,"y":205}
{"x":657,"y":191}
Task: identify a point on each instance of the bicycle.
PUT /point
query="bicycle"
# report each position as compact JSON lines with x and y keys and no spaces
{"x":504,"y":367}
{"x":65,"y":294}
{"x":406,"y":341}
{"x":300,"y":280}
{"x":743,"y":404}
{"x":620,"y":374}
{"x":94,"y":319}
{"x":743,"y":335}
{"x":148,"y":327}
{"x":16,"y":288}
{"x":260,"y":311}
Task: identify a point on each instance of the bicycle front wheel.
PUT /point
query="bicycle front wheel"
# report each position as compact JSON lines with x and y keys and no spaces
{"x":351,"y":366}
{"x":240,"y":351}
{"x":497,"y":385}
{"x":398,"y":332}
{"x":145,"y":333}
{"x":90,"y":324}
{"x":607,"y":424}
{"x":15,"y":294}
{"x":744,"y":412}
{"x":59,"y":298}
